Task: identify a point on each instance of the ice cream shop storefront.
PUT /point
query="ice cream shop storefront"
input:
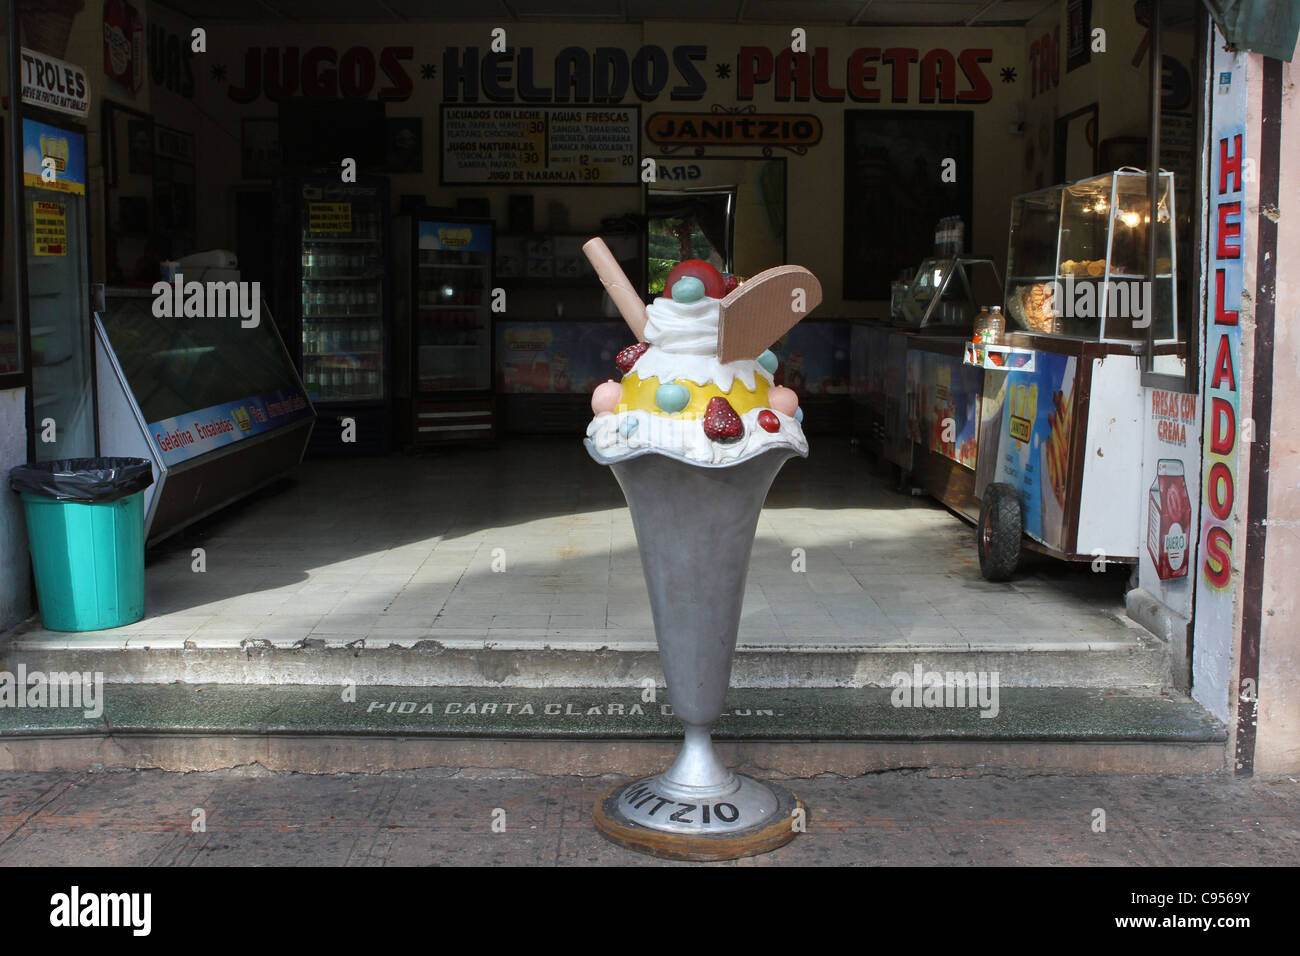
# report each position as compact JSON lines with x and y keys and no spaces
{"x":884,"y":288}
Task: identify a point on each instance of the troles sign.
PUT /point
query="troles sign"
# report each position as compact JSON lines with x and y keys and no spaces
{"x":52,"y":84}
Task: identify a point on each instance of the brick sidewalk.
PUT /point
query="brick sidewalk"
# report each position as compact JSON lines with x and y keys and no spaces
{"x":445,"y":817}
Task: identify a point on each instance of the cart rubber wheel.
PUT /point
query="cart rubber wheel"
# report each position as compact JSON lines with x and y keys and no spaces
{"x":998,"y":534}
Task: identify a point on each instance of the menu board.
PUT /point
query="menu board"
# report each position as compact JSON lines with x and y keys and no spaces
{"x":541,"y":145}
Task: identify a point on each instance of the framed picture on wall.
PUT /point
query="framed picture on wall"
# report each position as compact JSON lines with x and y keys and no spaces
{"x":260,"y":148}
{"x":895,"y":190}
{"x":139,"y":146}
{"x":405,"y":144}
{"x":1076,"y":150}
{"x":1120,"y":151}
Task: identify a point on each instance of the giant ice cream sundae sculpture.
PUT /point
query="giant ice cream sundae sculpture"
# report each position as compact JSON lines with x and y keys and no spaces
{"x":695,"y":433}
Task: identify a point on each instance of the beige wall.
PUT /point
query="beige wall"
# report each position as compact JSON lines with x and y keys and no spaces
{"x":815,"y":181}
{"x":1109,"y":79}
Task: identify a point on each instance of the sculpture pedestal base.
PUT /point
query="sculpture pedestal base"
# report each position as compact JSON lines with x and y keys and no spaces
{"x":651,"y":817}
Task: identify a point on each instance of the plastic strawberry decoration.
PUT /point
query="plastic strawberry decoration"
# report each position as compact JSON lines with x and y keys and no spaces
{"x":721,"y":423}
{"x":627,"y":358}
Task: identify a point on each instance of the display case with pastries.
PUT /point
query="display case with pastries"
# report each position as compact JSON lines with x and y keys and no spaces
{"x":1077,"y":260}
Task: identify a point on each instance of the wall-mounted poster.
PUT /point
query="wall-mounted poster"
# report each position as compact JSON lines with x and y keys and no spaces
{"x":405,"y":144}
{"x":894,"y":190}
{"x":174,"y":188}
{"x":1078,"y":34}
{"x":123,"y":45}
{"x":260,"y":148}
{"x":541,"y":145}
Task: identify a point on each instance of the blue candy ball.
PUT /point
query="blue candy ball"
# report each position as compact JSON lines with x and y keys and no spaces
{"x":628,"y":427}
{"x":672,"y":398}
{"x":798,"y":414}
{"x":768,"y":361}
{"x":688,"y":289}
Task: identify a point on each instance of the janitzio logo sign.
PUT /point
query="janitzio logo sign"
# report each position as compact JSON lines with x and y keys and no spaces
{"x":608,"y":74}
{"x":794,"y":132}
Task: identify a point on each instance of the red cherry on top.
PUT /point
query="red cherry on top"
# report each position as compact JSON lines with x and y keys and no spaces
{"x":714,"y":286}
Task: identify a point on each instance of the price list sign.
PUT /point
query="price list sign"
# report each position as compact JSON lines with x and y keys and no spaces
{"x":329,"y":217}
{"x":49,"y":229}
{"x":541,"y":146}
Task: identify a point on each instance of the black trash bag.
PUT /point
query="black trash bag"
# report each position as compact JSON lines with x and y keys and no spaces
{"x":87,"y":480}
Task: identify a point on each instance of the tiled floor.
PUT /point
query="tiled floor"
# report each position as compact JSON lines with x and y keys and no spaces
{"x":446,"y":816}
{"x":403,"y":549}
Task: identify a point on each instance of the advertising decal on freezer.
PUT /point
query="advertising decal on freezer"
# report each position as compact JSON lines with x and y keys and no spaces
{"x":53,"y":158}
{"x":944,"y":397}
{"x":1029,"y":448}
{"x":456,"y":237}
{"x":1170,"y":464}
{"x":195,"y":433}
{"x":556,"y":357}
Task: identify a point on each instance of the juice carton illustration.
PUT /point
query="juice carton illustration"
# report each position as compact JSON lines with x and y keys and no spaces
{"x":1169,"y":517}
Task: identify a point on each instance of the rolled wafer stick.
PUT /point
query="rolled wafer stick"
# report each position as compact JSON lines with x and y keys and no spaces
{"x":616,"y":283}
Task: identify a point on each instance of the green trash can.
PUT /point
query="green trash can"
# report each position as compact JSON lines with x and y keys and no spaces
{"x":85,"y":528}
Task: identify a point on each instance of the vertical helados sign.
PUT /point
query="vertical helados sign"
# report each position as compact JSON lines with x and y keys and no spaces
{"x":1223,"y":431}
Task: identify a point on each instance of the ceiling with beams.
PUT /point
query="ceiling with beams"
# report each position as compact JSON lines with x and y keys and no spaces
{"x":863,"y":13}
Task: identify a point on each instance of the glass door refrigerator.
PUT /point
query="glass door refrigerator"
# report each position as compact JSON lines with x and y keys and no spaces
{"x":343,"y":334}
{"x":444,"y":329}
{"x":58,"y":291}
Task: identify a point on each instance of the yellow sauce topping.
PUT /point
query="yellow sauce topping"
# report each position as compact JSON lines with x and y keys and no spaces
{"x":639,"y":393}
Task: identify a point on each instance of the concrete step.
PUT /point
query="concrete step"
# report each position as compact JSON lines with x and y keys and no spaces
{"x":595,"y":730}
{"x":596,"y":659}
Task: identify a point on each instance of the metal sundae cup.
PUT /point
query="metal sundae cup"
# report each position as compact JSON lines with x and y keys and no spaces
{"x":695,"y":529}
{"x":695,"y":434}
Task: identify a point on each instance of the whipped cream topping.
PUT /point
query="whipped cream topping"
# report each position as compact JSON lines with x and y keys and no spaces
{"x":683,"y":339}
{"x":688,"y":328}
{"x":684,"y":438}
{"x":700,"y":369}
